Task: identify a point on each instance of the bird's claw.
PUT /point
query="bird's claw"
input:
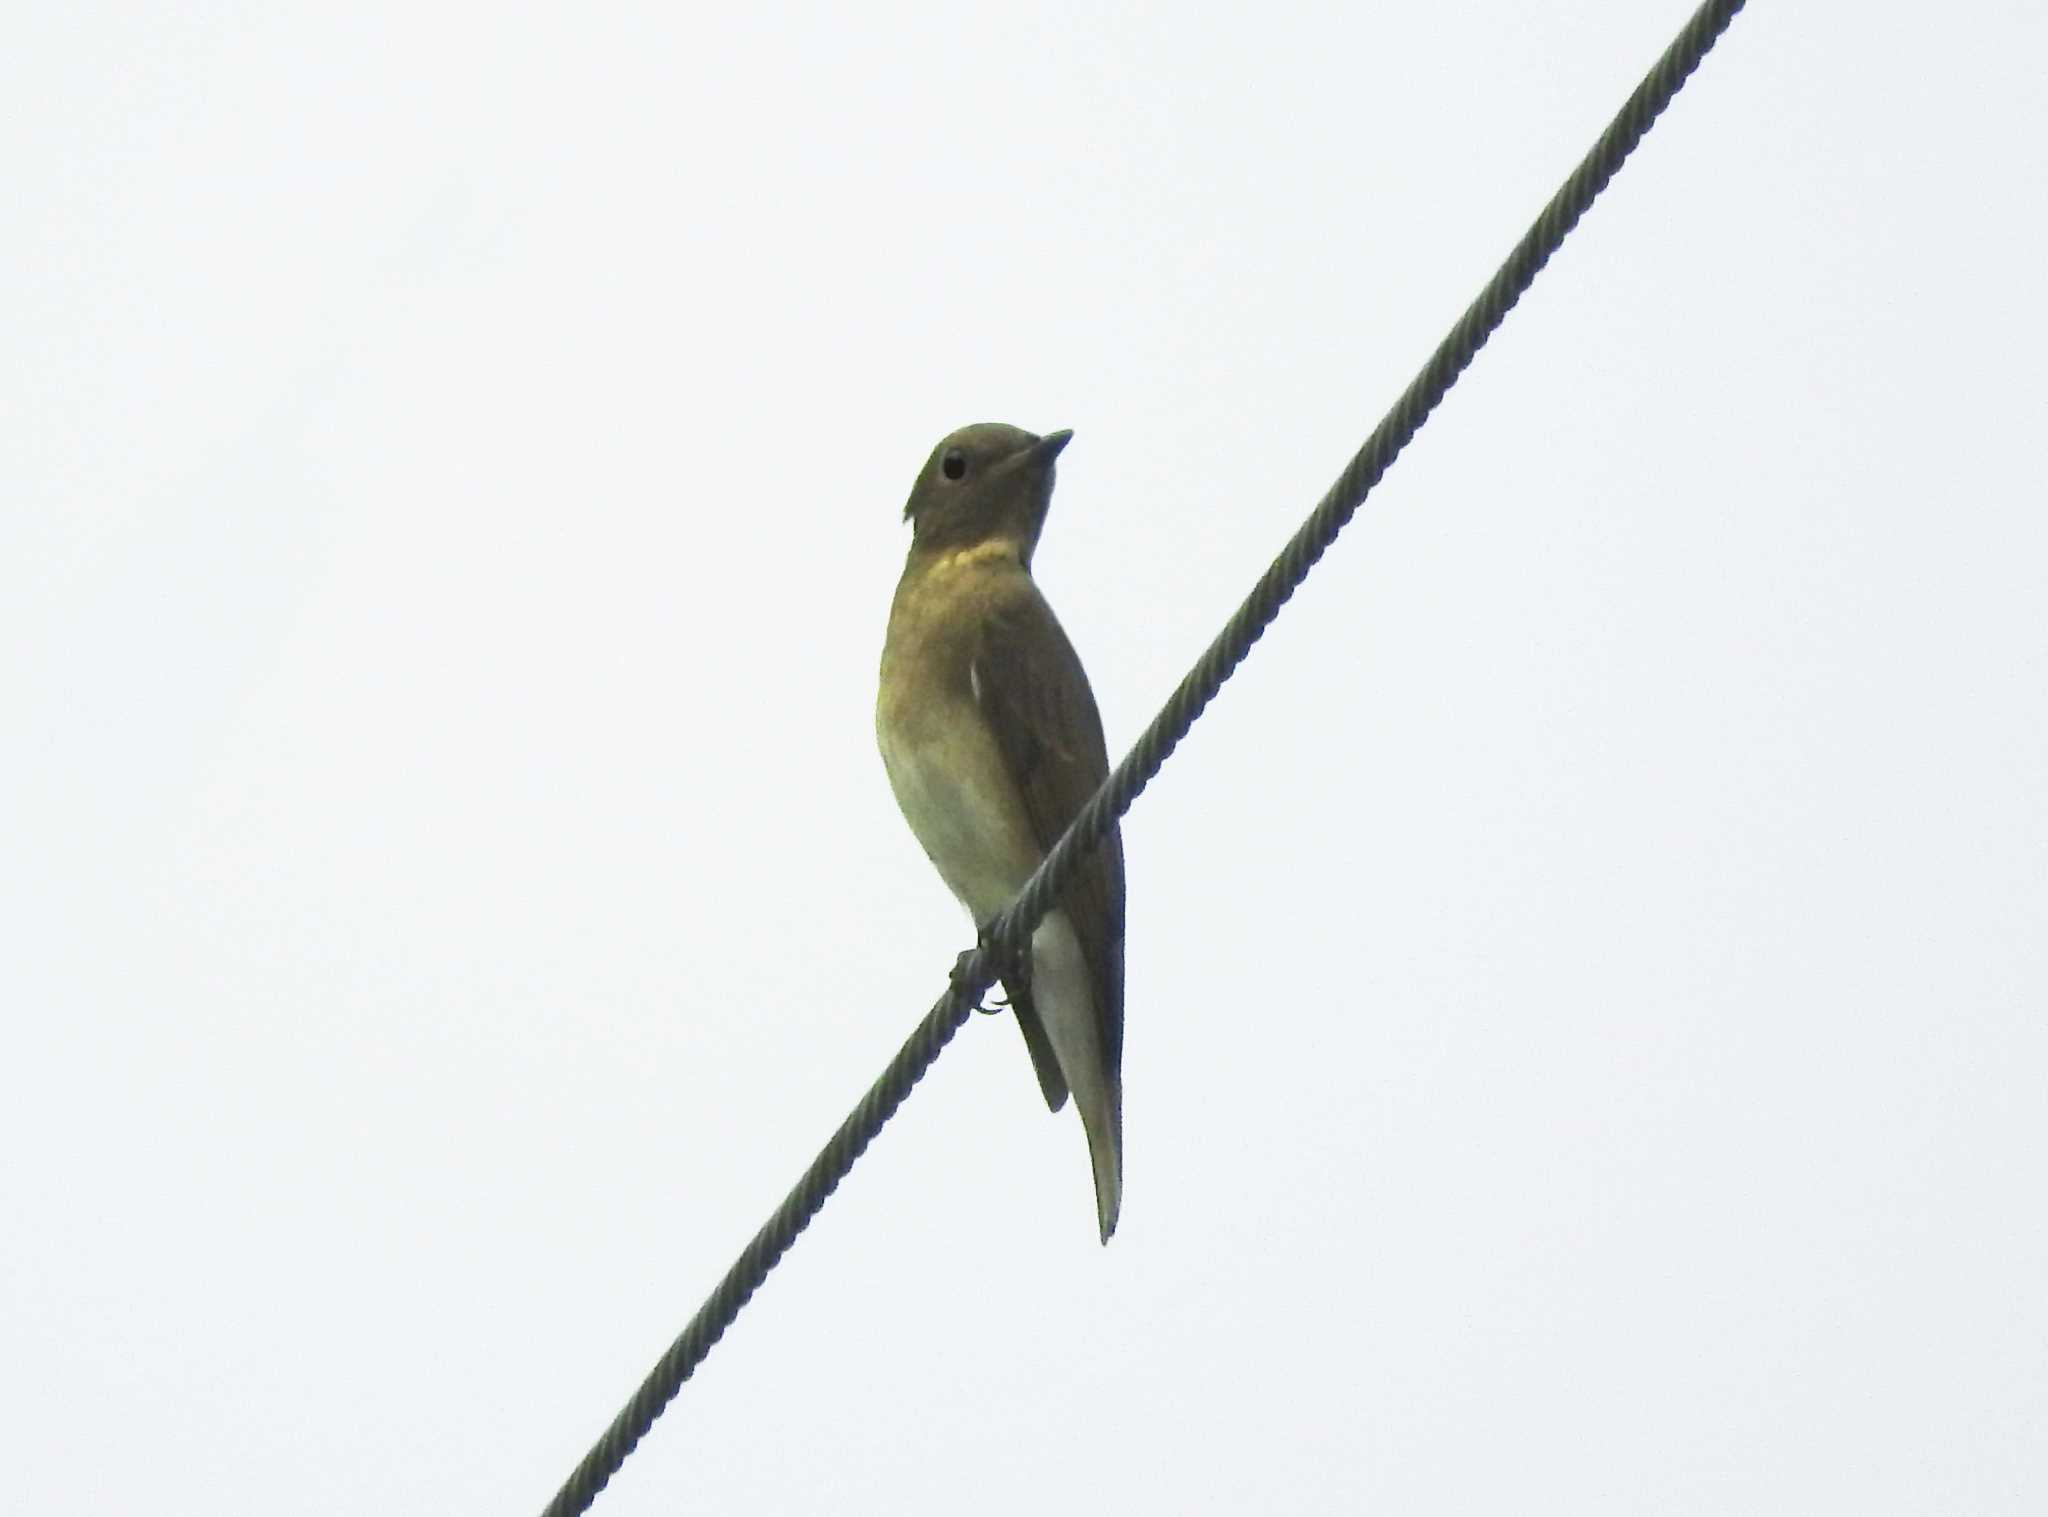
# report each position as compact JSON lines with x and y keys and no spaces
{"x":1013,"y":974}
{"x":960,"y":978}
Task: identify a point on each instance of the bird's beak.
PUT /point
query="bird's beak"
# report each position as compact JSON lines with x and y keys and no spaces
{"x":1047,"y":448}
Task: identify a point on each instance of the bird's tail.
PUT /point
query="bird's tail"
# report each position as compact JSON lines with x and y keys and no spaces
{"x":1103,"y":1120}
{"x":1064,"y":998}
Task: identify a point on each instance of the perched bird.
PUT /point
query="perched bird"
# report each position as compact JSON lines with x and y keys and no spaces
{"x":992,"y":742}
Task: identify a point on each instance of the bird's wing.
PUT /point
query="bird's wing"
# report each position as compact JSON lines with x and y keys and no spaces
{"x":1029,"y":684}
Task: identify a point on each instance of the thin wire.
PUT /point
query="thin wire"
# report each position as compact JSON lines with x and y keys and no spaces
{"x":977,"y":971}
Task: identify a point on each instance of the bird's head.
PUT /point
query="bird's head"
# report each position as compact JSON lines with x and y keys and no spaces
{"x":981,"y":483}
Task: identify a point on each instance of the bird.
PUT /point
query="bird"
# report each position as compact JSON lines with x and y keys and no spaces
{"x":993,"y":744}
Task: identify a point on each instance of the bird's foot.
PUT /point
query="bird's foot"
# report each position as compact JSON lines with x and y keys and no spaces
{"x":959,"y":978}
{"x":1013,"y":973}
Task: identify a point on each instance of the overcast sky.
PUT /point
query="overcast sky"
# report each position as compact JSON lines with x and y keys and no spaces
{"x":1586,"y":974}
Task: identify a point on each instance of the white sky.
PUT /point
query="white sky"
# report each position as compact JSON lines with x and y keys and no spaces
{"x":1586,"y":1041}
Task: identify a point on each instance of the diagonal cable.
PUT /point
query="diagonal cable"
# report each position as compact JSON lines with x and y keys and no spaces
{"x":1012,"y":929}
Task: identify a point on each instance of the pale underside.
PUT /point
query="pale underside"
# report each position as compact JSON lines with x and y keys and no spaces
{"x":951,"y":781}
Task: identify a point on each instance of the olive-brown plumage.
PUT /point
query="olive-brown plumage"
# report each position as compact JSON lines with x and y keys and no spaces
{"x":993,"y":744}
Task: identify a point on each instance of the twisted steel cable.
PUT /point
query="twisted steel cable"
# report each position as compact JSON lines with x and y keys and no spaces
{"x":1012,"y":929}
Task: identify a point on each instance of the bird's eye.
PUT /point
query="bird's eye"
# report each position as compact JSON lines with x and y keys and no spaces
{"x":954,"y":464}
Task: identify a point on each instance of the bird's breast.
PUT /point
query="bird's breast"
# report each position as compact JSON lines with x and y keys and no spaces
{"x":949,"y":781}
{"x":944,"y":764}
